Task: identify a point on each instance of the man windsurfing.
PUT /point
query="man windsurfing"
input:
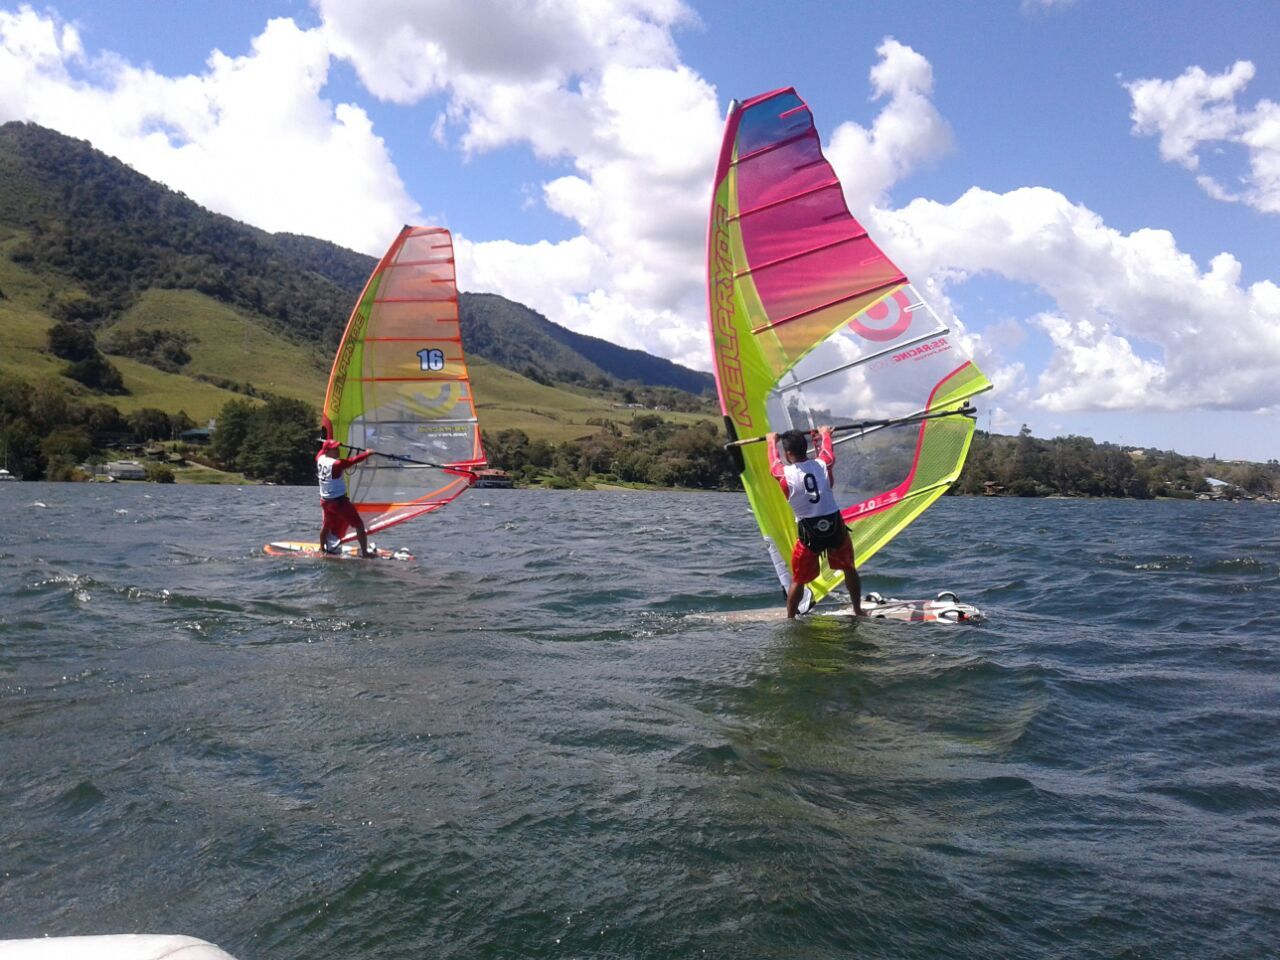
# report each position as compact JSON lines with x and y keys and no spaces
{"x":340,"y":513}
{"x":807,"y":486}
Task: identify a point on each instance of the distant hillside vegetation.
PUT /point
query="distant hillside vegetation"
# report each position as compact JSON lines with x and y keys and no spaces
{"x":511,"y":334}
{"x":116,"y":233}
{"x":345,"y":268}
{"x":1028,"y":466}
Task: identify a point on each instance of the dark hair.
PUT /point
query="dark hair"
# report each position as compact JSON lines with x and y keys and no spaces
{"x":796,"y":444}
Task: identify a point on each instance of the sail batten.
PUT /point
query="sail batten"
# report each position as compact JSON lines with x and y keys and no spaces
{"x":409,"y":339}
{"x":748,"y":271}
{"x":824,"y":306}
{"x":868,"y":358}
{"x":437,"y":420}
{"x":399,"y":385}
{"x":408,"y":379}
{"x":825,"y":185}
{"x":756,"y":154}
{"x":811,"y":323}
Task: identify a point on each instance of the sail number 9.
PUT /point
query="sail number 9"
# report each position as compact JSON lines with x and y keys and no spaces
{"x":432,"y":359}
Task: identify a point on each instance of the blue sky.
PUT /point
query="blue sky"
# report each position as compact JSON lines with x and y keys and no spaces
{"x":1089,"y":189}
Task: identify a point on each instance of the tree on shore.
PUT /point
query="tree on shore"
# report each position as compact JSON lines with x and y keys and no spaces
{"x":275,"y":441}
{"x":657,"y":451}
{"x":1080,"y":467}
{"x":74,"y":341}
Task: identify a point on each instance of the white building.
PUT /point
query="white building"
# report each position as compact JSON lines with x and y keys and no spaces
{"x":126,"y":470}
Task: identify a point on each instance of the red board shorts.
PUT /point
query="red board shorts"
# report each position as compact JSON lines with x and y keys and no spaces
{"x":804,"y":562}
{"x":340,"y":514}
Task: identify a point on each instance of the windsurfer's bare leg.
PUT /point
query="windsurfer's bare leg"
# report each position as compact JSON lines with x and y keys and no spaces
{"x":793,"y":600}
{"x":364,"y":540}
{"x":854,"y":583}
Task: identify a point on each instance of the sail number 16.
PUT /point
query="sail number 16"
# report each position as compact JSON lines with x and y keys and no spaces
{"x":431,"y":359}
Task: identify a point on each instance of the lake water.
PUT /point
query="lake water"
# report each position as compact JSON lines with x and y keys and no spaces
{"x":526,"y":745}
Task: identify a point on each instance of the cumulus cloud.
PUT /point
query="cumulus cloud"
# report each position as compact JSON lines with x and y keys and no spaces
{"x":1137,"y":326}
{"x":250,"y":137}
{"x":1198,"y":109}
{"x":407,"y":49}
{"x":906,"y":133}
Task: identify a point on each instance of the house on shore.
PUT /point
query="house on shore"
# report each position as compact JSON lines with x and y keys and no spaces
{"x":494,"y":478}
{"x":126,"y":470}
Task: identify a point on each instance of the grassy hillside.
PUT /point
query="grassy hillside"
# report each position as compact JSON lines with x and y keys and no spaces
{"x":507,"y":400}
{"x":227,"y":343}
{"x":25,"y":294}
{"x":230,"y":344}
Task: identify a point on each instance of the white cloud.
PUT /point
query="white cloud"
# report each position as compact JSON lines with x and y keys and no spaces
{"x":1118,"y":296}
{"x":1001,"y":420}
{"x":250,"y":137}
{"x":550,"y":278}
{"x":30,"y":43}
{"x":1199,"y":109}
{"x":407,"y":49}
{"x":906,"y":133}
{"x":1094,"y":369}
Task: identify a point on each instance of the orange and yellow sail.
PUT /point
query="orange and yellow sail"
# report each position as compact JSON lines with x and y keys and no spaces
{"x":399,"y":385}
{"x":811,"y":323}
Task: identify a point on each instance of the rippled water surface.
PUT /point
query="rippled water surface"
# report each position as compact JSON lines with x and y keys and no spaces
{"x":531,"y":743}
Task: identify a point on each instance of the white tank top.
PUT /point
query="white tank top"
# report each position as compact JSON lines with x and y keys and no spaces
{"x":811,"y":494}
{"x":331,"y":487}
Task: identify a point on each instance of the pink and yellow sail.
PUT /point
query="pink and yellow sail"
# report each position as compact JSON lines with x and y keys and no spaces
{"x":811,"y":323}
{"x":399,"y":385}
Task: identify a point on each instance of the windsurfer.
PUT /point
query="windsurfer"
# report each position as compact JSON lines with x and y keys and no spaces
{"x":807,"y":486}
{"x":339,"y":512}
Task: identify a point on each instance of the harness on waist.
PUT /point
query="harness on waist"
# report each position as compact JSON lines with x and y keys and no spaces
{"x":821,"y":533}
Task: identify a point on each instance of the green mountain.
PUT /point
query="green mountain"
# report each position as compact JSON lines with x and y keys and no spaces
{"x":522,"y":339}
{"x":84,"y":238}
{"x":103,"y":234}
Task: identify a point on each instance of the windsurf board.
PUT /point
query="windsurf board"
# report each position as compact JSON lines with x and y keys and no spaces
{"x":944,"y":608}
{"x":350,"y":551}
